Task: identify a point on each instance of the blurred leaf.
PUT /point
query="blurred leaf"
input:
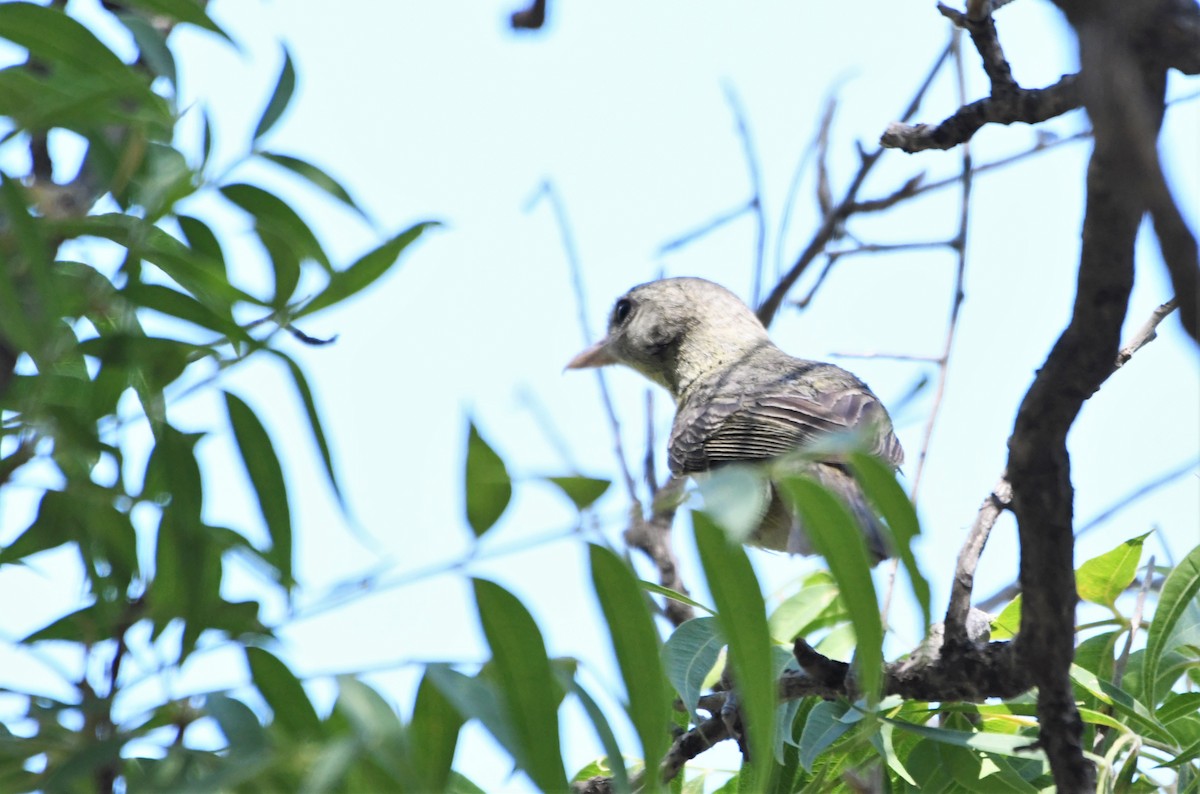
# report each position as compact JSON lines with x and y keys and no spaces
{"x":667,"y":592}
{"x":57,"y":41}
{"x":280,"y":98}
{"x":201,"y":239}
{"x":177,"y":304}
{"x":243,"y":732}
{"x":878,"y":482}
{"x":836,"y":535}
{"x":433,"y":736}
{"x":488,"y":486}
{"x":823,"y":727}
{"x":1006,"y":625}
{"x":266,"y":475}
{"x":743,"y":620}
{"x":369,"y":268}
{"x":285,"y":235}
{"x":636,"y":644}
{"x":1101,"y":579}
{"x":294,"y":713}
{"x":317,"y":177}
{"x":525,"y":683}
{"x":616,"y":763}
{"x":582,"y":491}
{"x":188,"y":11}
{"x":1178,"y":597}
{"x":152,"y":46}
{"x":689,"y":655}
{"x":314,"y":423}
{"x":736,"y":496}
{"x":476,"y":698}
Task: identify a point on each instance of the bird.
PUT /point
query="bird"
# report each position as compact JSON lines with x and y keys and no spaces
{"x":741,"y":399}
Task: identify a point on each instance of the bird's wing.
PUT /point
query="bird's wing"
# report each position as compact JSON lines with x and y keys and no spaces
{"x":744,"y":427}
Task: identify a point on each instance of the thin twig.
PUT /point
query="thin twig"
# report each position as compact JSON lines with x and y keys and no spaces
{"x":755,"y":204}
{"x":797,"y":174}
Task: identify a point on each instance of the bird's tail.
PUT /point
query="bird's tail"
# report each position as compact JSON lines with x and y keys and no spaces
{"x":841,"y":484}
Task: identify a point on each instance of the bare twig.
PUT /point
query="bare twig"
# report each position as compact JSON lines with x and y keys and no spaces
{"x":1146,"y":334}
{"x":708,"y":226}
{"x":968,"y":559}
{"x":794,"y":186}
{"x":755,"y":205}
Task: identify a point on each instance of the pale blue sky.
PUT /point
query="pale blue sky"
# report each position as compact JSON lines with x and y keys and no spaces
{"x":437,"y":110}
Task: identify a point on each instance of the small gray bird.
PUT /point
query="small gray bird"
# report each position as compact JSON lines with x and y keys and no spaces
{"x":739,"y":398}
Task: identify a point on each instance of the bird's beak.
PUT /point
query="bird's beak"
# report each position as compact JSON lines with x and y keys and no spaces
{"x":597,"y":355}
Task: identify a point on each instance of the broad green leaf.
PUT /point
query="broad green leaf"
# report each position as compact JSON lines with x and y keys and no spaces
{"x":316,"y":176}
{"x":836,"y":535}
{"x":488,"y":486}
{"x":314,"y":423}
{"x":280,"y":97}
{"x":294,"y":712}
{"x":1101,"y":579}
{"x":582,"y":491}
{"x":1178,"y":597}
{"x":741,"y":614}
{"x":823,"y":727}
{"x":689,"y":655}
{"x":616,"y":763}
{"x":794,"y":616}
{"x":525,"y":683}
{"x":266,"y":475}
{"x":879,"y":484}
{"x":636,"y":644}
{"x":433,"y":736}
{"x":1006,"y":625}
{"x":57,"y":40}
{"x":363,"y":273}
{"x":243,"y":732}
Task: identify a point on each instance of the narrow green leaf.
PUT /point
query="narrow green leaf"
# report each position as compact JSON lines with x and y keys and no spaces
{"x":736,"y":496}
{"x":1006,"y":625}
{"x":795,"y":616}
{"x":636,"y":644}
{"x":582,"y":491}
{"x":525,"y":683}
{"x":674,"y":595}
{"x":201,"y":239}
{"x":1178,"y":595}
{"x":743,"y":620}
{"x":314,"y":423}
{"x":616,"y":763}
{"x":58,"y":40}
{"x":488,"y":486}
{"x":176,"y":304}
{"x":476,"y":698}
{"x":316,"y":176}
{"x":689,"y":655}
{"x":152,"y":46}
{"x":275,"y":218}
{"x":433,"y":736}
{"x":1180,"y":704}
{"x":823,"y":727}
{"x":1101,"y":579}
{"x":280,"y":98}
{"x":1134,"y":710}
{"x":836,"y":535}
{"x":294,"y":712}
{"x":266,"y":475}
{"x":368,"y":269}
{"x":187,"y":11}
{"x":879,"y":484}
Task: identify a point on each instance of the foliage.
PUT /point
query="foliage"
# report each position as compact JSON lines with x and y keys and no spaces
{"x":80,"y":371}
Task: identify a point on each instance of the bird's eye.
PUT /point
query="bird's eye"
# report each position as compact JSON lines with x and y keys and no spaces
{"x":621,"y":311}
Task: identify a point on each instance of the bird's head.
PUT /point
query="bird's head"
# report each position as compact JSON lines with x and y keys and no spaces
{"x":674,"y":331}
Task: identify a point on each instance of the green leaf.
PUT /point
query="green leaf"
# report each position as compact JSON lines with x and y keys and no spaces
{"x":675,"y":595}
{"x":294,"y":712}
{"x":57,"y":40}
{"x":582,"y":491}
{"x":1178,"y":596}
{"x":736,"y":496}
{"x":243,"y":732}
{"x":488,"y":486}
{"x":878,"y":482}
{"x":636,"y":644}
{"x":1101,"y":579}
{"x":314,"y":423}
{"x":836,"y":535}
{"x":476,"y":698}
{"x":1006,"y":744}
{"x":287,"y":238}
{"x":201,"y":239}
{"x":742,"y":616}
{"x":823,"y":727}
{"x":525,"y":683}
{"x":363,"y":273}
{"x":616,"y":763}
{"x":152,"y":46}
{"x":1006,"y":625}
{"x":177,"y":304}
{"x":689,"y":655}
{"x":1117,"y":698}
{"x":433,"y":736}
{"x":317,"y":177}
{"x":266,"y":475}
{"x":794,"y":617}
{"x":187,"y":11}
{"x":280,"y":98}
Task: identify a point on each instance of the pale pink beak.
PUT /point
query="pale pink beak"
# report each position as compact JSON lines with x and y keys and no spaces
{"x":597,"y":355}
